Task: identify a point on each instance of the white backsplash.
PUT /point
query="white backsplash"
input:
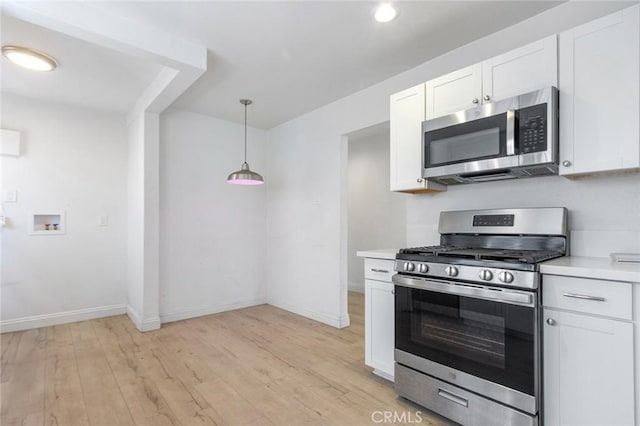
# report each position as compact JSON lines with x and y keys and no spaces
{"x":603,"y":243}
{"x":604,"y":211}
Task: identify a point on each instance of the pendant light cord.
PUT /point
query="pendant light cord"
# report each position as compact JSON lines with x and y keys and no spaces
{"x":245,"y":133}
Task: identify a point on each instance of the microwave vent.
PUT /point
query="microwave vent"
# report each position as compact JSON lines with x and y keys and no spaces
{"x":539,"y":171}
{"x":449,"y":181}
{"x":489,"y":178}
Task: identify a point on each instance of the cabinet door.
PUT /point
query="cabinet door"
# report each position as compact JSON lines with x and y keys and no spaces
{"x":599,"y":95}
{"x":588,"y":370}
{"x":379,"y":326}
{"x":453,"y":92}
{"x":522,"y":70}
{"x":407,"y":115}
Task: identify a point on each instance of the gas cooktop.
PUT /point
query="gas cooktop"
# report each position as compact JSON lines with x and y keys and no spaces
{"x":498,"y":246}
{"x":488,"y":254}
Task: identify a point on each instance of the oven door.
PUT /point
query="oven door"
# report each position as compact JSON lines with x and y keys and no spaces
{"x":484,"y":339}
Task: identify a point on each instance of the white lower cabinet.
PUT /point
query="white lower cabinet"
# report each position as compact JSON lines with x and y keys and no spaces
{"x":379,"y":320}
{"x":588,"y":360}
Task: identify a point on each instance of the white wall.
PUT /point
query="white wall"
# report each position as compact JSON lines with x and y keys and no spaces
{"x":212,"y":247}
{"x":73,"y":160}
{"x":604,"y":211}
{"x":306,"y":215}
{"x":376,"y":216}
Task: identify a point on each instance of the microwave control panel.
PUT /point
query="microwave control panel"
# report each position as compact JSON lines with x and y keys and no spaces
{"x":532,"y":129}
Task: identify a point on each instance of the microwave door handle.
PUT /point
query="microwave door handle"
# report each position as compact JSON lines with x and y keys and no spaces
{"x":511,"y":132}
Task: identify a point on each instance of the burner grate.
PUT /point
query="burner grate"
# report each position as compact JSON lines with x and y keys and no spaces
{"x":433,"y":250}
{"x":503,"y":255}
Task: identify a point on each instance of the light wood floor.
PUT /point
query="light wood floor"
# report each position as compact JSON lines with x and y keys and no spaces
{"x":254,"y":366}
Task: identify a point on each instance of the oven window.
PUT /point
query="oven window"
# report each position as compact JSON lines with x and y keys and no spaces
{"x":474,"y":140}
{"x":491,"y":340}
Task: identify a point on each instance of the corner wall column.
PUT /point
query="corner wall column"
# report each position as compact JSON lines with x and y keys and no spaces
{"x":143,"y":221}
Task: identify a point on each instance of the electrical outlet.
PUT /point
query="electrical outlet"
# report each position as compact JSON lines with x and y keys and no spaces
{"x":104,"y":220}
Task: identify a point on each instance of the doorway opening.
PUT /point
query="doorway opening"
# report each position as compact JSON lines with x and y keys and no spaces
{"x":376,"y":217}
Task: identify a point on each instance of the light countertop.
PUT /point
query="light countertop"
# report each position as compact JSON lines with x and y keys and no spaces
{"x":378,"y":254}
{"x":592,"y":267}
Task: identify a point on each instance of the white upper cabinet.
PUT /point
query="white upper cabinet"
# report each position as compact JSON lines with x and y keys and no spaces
{"x":519,"y":71}
{"x":456,"y":91}
{"x":407,"y":115}
{"x":599,"y":95}
{"x":523,"y":70}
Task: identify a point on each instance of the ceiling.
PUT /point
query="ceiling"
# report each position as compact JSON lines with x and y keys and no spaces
{"x":288,"y":57}
{"x":89,"y":76}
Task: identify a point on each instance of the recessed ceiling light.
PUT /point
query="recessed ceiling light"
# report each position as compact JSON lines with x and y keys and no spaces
{"x":29,"y":58}
{"x":385,"y":13}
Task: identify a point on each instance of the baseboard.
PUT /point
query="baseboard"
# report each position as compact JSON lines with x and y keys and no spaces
{"x":333,"y":321}
{"x":208,"y":310}
{"x":384,"y":375}
{"x":37,"y":321}
{"x":147,"y":324}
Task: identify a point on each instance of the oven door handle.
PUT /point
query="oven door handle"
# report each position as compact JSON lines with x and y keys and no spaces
{"x":477,"y":292}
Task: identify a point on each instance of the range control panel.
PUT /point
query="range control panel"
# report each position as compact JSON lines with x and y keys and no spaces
{"x":493,"y":220}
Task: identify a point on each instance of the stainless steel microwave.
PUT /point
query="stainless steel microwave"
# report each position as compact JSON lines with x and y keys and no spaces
{"x":507,"y":139}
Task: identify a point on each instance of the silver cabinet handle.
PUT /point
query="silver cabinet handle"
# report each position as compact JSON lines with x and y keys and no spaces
{"x":487,"y":97}
{"x":453,"y":397}
{"x":419,"y":180}
{"x":551,"y":321}
{"x":566,"y":163}
{"x":384,"y":271}
{"x":475,"y":101}
{"x":584,"y":297}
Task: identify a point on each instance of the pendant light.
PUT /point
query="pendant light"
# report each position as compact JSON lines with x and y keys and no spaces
{"x":245,"y":176}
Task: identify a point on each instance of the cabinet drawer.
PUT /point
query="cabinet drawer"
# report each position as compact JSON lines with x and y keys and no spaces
{"x":378,"y":269}
{"x":598,"y":297}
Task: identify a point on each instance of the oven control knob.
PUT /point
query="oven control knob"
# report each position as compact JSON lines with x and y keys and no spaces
{"x":505,"y":277}
{"x":409,"y":266}
{"x":452,"y":271}
{"x":423,"y":268}
{"x":486,"y":275}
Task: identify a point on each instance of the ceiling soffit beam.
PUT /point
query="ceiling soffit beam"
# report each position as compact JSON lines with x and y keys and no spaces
{"x":183,"y":61}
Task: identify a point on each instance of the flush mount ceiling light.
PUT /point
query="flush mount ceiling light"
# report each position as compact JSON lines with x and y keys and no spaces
{"x":385,"y":13}
{"x":245,"y":176}
{"x":29,"y":58}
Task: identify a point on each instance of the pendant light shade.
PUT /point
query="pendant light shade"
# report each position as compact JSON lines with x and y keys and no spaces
{"x":245,"y":176}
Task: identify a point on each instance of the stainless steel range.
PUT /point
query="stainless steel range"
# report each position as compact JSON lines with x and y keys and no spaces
{"x":468,"y":312}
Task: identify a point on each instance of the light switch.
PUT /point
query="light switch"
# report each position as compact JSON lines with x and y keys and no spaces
{"x":10,"y":196}
{"x":104,"y":220}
